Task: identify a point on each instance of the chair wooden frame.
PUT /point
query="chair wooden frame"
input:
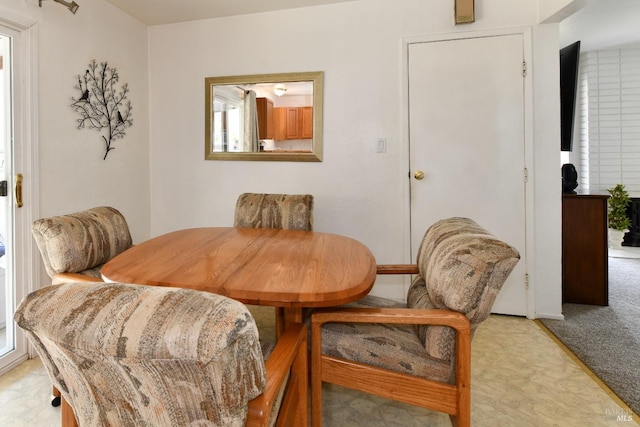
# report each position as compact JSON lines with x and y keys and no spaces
{"x":453,"y":399}
{"x":62,"y":278}
{"x":288,"y":362}
{"x":289,"y":356}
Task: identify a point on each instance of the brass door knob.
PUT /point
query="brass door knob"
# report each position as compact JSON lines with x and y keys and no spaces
{"x":418,"y":175}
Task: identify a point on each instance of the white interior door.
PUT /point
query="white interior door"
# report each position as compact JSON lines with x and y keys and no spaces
{"x":466,"y":133}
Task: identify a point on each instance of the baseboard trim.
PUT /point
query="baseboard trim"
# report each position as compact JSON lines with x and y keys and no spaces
{"x":13,"y":364}
{"x":550,"y":316}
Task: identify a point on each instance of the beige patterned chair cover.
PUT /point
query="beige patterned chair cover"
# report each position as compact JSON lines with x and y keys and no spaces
{"x":81,"y":242}
{"x":282,"y":211}
{"x":462,"y":268}
{"x":131,"y":355}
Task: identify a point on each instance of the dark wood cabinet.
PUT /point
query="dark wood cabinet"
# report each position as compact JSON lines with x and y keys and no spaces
{"x":585,"y":275}
{"x":265,"y":118}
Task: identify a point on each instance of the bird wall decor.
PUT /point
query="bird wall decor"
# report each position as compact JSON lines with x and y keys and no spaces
{"x":103,"y":105}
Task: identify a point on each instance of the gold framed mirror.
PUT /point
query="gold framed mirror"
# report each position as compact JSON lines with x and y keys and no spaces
{"x":267,"y":117}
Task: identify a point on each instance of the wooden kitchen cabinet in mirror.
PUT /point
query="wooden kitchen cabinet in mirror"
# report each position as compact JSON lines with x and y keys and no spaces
{"x":293,"y":123}
{"x":264,"y":117}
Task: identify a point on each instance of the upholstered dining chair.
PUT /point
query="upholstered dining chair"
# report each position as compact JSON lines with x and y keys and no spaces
{"x":75,"y":246}
{"x":284,"y":211}
{"x":133,"y":355}
{"x":418,"y":352}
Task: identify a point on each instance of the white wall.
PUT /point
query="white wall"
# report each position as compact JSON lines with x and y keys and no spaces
{"x":358,"y":192}
{"x":72,"y":172}
{"x":546,"y":232}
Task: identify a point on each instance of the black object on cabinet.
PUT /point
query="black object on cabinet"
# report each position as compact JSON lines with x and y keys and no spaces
{"x":632,"y":238}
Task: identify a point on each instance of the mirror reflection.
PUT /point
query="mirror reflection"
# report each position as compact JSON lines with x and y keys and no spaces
{"x":264,"y":117}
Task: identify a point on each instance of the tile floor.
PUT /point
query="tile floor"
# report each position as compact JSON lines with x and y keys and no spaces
{"x":520,"y":377}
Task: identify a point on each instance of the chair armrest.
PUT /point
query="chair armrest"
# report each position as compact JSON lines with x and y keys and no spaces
{"x":397,"y":269}
{"x":288,"y":359}
{"x":347,"y":372}
{"x":407,"y":316}
{"x":61,"y":278}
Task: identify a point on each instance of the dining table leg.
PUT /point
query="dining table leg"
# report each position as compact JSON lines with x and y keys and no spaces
{"x":285,"y":316}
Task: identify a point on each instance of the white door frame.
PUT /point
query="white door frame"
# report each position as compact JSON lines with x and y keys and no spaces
{"x":25,"y":160}
{"x":527,"y":257}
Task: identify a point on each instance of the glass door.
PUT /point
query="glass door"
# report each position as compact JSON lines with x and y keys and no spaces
{"x":7,"y":333}
{"x":16,"y":252}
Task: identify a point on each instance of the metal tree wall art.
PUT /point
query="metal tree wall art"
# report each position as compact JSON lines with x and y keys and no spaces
{"x":103,"y":105}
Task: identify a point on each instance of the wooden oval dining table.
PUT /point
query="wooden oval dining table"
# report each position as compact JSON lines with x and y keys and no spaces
{"x":290,"y":269}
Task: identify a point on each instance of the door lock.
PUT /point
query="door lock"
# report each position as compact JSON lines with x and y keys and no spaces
{"x":4,"y":190}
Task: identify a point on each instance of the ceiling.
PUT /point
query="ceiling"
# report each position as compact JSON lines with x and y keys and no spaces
{"x":158,"y":12}
{"x":600,"y":24}
{"x":603,"y":24}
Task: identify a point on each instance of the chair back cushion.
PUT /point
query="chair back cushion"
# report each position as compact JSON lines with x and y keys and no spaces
{"x":282,"y":211}
{"x":81,"y":241}
{"x":133,"y":355}
{"x":462,"y":268}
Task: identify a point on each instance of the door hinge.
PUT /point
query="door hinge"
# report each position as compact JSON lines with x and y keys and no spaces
{"x":524,"y":69}
{"x":525,"y":175}
{"x":526,"y":280}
